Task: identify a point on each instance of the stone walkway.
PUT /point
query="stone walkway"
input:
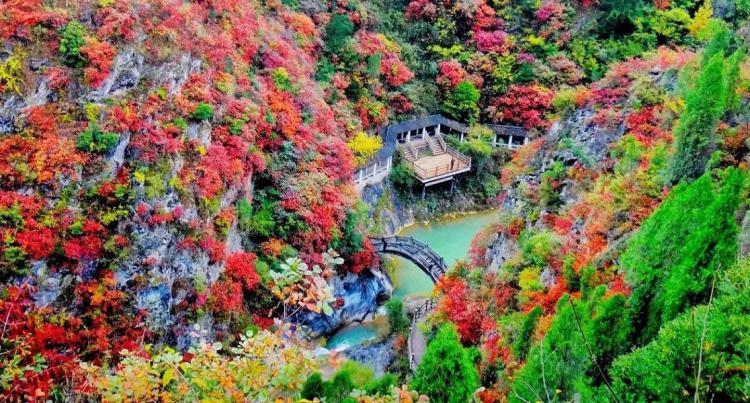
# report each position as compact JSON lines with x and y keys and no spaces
{"x":417,"y":346}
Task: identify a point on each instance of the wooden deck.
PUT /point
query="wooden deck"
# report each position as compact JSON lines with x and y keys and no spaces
{"x":435,"y":166}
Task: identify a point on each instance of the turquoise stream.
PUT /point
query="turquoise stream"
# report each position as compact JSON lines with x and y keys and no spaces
{"x":449,"y":237}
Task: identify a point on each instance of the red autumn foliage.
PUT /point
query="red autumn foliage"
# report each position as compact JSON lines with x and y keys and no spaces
{"x":460,"y":308}
{"x":226,"y":296}
{"x":491,"y":41}
{"x":240,"y":267}
{"x":451,"y":73}
{"x":525,"y":105}
{"x":37,"y":241}
{"x":395,"y":71}
{"x":99,"y":55}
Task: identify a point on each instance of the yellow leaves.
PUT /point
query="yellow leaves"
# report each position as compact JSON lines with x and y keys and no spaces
{"x":11,"y":72}
{"x":701,"y":19}
{"x":535,"y":40}
{"x":364,"y":146}
{"x":167,"y":377}
{"x":140,"y":177}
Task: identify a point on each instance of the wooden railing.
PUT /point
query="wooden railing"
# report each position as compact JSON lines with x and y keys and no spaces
{"x":462,"y":161}
{"x":426,"y":259}
{"x":417,"y":315}
{"x":420,"y":254}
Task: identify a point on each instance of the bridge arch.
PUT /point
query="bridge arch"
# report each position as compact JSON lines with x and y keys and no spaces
{"x":417,"y":252}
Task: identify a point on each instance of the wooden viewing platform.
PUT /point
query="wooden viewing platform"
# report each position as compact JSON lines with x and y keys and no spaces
{"x":432,"y":160}
{"x":421,"y":142}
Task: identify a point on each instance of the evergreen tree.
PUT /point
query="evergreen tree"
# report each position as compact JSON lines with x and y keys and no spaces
{"x":665,"y":370}
{"x":732,"y":74}
{"x":313,"y":387}
{"x":704,"y":106}
{"x":670,"y":261}
{"x":521,"y":346}
{"x":462,"y":102}
{"x":446,"y":373}
{"x":339,"y":388}
{"x":396,"y":319}
{"x":567,"y":366}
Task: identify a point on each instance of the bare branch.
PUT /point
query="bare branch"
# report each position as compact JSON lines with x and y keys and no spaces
{"x":696,"y":397}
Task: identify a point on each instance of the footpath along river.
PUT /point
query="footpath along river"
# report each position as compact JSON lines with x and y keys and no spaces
{"x":450,"y":238}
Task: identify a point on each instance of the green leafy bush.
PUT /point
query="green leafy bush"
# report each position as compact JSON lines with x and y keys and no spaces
{"x":462,"y":102}
{"x":94,"y":140}
{"x":71,"y":41}
{"x":203,"y":112}
{"x":446,"y":373}
{"x":402,"y":176}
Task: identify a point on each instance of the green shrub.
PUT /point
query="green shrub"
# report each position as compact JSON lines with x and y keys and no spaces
{"x":396,"y":319}
{"x":203,"y":112}
{"x":259,"y":222}
{"x":96,"y":141}
{"x":462,"y":103}
{"x":338,"y":32}
{"x":382,"y":386}
{"x":71,"y":41}
{"x":447,"y":372}
{"x":565,"y":100}
{"x":313,"y":387}
{"x":538,"y":246}
{"x":402,"y":176}
{"x":549,"y":189}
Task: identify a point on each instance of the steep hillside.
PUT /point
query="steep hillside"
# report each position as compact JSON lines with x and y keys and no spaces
{"x":179,"y":222}
{"x":170,"y":164}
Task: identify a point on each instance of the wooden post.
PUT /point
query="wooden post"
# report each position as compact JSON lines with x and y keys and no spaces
{"x":510,"y":141}
{"x":424,"y":187}
{"x":453,"y":179}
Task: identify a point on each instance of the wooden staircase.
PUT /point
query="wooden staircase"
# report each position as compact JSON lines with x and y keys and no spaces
{"x":436,"y":145}
{"x":409,"y":152}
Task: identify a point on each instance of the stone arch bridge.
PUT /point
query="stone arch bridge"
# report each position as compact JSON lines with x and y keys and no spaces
{"x":429,"y":262}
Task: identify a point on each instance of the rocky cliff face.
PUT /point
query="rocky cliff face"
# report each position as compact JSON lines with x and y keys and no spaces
{"x":144,"y":146}
{"x":389,"y":213}
{"x":578,"y":139}
{"x":360,"y":297}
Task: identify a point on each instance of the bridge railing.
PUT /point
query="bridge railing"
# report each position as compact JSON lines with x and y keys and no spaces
{"x":417,"y":315}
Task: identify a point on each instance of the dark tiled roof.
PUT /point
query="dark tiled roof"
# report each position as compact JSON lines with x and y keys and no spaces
{"x":389,"y":132}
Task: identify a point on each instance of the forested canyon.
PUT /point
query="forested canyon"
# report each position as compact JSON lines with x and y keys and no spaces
{"x":374,"y":201}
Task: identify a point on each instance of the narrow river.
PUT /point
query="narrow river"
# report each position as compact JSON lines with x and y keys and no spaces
{"x":450,"y":238}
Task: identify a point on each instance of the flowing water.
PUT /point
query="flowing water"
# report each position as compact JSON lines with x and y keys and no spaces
{"x":449,"y":237}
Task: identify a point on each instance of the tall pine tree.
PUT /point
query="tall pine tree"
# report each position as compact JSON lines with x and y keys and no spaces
{"x":695,"y":133}
{"x":690,"y":237}
{"x":446,"y":373}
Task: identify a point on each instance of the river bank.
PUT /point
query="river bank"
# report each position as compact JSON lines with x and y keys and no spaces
{"x":450,"y":236}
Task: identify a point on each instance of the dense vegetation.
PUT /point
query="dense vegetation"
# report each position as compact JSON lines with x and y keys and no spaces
{"x":176,"y":192}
